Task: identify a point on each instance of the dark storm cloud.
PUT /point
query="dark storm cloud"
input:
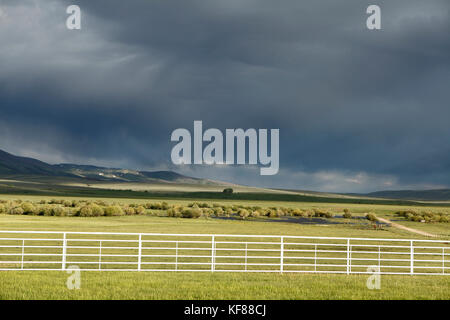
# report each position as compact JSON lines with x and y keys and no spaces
{"x":357,"y":110}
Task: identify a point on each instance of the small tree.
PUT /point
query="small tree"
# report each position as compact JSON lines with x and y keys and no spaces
{"x":97,"y":210}
{"x":191,"y":213}
{"x":255,"y":214}
{"x":228,"y":190}
{"x":27,"y":207}
{"x":16,"y":210}
{"x":141,"y":209}
{"x":114,"y":211}
{"x":243,"y":213}
{"x":67,"y":203}
{"x":347,"y":214}
{"x":129,"y":211}
{"x":86,"y":211}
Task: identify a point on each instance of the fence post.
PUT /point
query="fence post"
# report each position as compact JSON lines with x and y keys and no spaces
{"x":282,"y":255}
{"x":176,"y":256}
{"x":23,"y":249}
{"x":315,"y":257}
{"x":246,"y":245}
{"x":64,"y":252}
{"x":379,"y":257}
{"x":100,"y":257}
{"x":412,"y":258}
{"x":348,"y":256}
{"x":140,"y":252}
{"x":443,"y":261}
{"x":213,"y":247}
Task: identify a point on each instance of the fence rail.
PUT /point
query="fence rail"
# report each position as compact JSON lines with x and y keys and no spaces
{"x":103,"y":251}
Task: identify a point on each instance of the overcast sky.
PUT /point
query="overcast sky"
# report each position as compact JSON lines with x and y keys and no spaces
{"x":357,"y":110}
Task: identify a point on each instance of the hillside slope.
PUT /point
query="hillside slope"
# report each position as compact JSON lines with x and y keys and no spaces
{"x":23,"y":168}
{"x":15,"y":165}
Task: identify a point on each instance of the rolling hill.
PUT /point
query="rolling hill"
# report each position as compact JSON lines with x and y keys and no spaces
{"x":23,"y":168}
{"x":22,"y":173}
{"x":11,"y":165}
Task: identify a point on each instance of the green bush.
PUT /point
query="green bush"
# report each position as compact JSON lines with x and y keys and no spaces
{"x":16,"y":211}
{"x":97,"y":211}
{"x":273,"y":213}
{"x":218,"y":211}
{"x":191,"y":213}
{"x":243,"y":213}
{"x":114,"y":210}
{"x":207,"y":212}
{"x":322,"y":213}
{"x":141,"y":209}
{"x":255,"y":214}
{"x":59,"y":211}
{"x":101,"y":203}
{"x":27,"y":207}
{"x":347,"y":215}
{"x":46,"y":210}
{"x":67,"y":203}
{"x":129,"y":211}
{"x":164,"y":206}
{"x":155,"y":206}
{"x":75,"y":203}
{"x":86,"y":211}
{"x":174,"y":212}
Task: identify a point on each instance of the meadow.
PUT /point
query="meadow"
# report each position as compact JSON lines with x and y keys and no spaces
{"x":216,"y":286}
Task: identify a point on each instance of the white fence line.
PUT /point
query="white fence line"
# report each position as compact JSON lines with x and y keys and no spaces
{"x":108,"y":251}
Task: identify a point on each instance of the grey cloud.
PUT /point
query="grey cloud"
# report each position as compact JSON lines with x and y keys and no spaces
{"x":346,"y":100}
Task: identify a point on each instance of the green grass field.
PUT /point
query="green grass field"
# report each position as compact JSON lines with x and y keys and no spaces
{"x":125,"y":224}
{"x":147,"y":285}
{"x":205,"y":285}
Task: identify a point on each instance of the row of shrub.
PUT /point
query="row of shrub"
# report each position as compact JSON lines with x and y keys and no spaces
{"x":194,"y":210}
{"x":86,"y":209}
{"x":97,"y":208}
{"x":77,"y":203}
{"x":424,"y":216}
{"x":257,"y":211}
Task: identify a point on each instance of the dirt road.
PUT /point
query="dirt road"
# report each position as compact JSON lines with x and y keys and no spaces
{"x":399,"y":226}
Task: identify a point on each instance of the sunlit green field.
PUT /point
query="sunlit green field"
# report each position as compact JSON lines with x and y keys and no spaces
{"x":154,"y":224}
{"x":205,"y":285}
{"x":142,"y":224}
{"x":134,"y":285}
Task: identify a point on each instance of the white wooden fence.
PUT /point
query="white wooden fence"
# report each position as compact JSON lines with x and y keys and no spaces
{"x":101,"y":251}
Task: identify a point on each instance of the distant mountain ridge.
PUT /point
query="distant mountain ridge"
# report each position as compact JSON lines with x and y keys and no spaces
{"x":28,"y":169}
{"x":12,"y":166}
